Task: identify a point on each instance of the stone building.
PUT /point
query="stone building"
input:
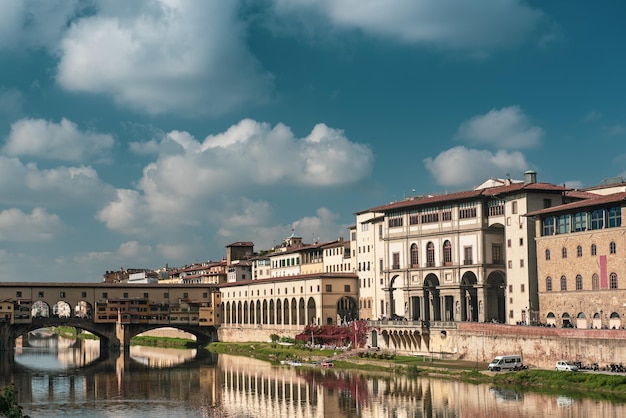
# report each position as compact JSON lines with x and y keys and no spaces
{"x":466,"y":256}
{"x":581,"y":262}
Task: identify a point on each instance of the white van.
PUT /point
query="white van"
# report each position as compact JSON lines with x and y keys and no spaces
{"x":511,"y":362}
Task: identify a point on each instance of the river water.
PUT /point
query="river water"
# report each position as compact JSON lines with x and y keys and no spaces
{"x":55,"y":377}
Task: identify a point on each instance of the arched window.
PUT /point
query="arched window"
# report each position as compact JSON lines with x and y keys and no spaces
{"x":547,"y":254}
{"x":549,"y":284}
{"x":613,"y":281}
{"x":564,"y":252}
{"x":563,"y":283}
{"x":430,"y":255}
{"x":612,"y":247}
{"x":579,"y":282}
{"x":595,"y":282}
{"x":579,"y":251}
{"x":414,"y":256}
{"x":594,"y":249}
{"x":447,"y":253}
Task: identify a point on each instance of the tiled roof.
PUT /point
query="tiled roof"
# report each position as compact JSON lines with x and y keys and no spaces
{"x":290,"y":278}
{"x":498,"y":191}
{"x":241,"y":244}
{"x":596,"y":201}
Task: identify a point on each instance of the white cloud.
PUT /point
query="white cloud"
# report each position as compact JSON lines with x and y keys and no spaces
{"x":460,"y":166}
{"x":133,"y":250}
{"x":476,"y":25}
{"x":247,"y":157}
{"x":163,"y":56}
{"x":507,"y":128}
{"x":39,"y":225}
{"x":26,"y":184}
{"x":57,"y":141}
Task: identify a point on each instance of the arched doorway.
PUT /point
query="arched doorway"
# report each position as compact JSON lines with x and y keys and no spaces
{"x":347,"y":310}
{"x":392,"y":309}
{"x":581,"y":320}
{"x":496,"y":303}
{"x":469,"y":298}
{"x":566,"y":320}
{"x":432,"y":303}
{"x":615,"y":322}
{"x":551,"y":319}
{"x":310,"y":312}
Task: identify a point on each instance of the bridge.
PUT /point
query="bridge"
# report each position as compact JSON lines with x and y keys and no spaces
{"x":115,"y":312}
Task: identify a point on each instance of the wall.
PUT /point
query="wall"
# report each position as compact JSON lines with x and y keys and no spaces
{"x":540,"y":346}
{"x":240,"y":334}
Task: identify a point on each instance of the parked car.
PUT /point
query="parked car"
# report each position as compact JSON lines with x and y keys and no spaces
{"x":565,"y":366}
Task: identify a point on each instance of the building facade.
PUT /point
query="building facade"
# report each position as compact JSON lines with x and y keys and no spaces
{"x":581,"y":263}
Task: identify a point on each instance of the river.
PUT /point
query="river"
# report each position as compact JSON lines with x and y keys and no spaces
{"x":56,"y":377}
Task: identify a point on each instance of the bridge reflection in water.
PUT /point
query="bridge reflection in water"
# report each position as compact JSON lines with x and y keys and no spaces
{"x":228,"y":386}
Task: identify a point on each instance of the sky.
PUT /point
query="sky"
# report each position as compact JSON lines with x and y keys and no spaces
{"x":156,"y":132}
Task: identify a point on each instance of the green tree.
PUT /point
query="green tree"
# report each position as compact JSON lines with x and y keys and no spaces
{"x":8,"y":404}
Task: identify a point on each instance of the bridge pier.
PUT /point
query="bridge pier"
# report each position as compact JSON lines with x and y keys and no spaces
{"x":7,"y":339}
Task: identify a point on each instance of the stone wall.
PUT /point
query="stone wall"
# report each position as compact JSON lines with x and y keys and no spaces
{"x":540,"y":346}
{"x":236,"y":334}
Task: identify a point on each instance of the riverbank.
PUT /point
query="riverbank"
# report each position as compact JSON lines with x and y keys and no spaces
{"x":578,"y":384}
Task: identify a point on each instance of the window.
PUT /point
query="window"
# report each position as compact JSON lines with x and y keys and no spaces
{"x":126,"y":295}
{"x":467,"y":210}
{"x":414,"y":217}
{"x":83,"y":294}
{"x":380,"y":264}
{"x":414,"y":256}
{"x":521,"y":263}
{"x":329,"y":287}
{"x":380,"y":231}
{"x":547,"y":254}
{"x":496,"y":207}
{"x":597,"y":219}
{"x":510,"y":264}
{"x":430,"y":215}
{"x":613,"y":281}
{"x":430,"y":255}
{"x":614,"y":217}
{"x":579,"y":251}
{"x":511,"y":313}
{"x":563,"y":224}
{"x":40,"y":294}
{"x":547,"y":203}
{"x":496,"y":253}
{"x":563,"y":283}
{"x":521,"y":242}
{"x":580,"y":221}
{"x":105,"y":295}
{"x":62,"y":294}
{"x":595,"y":282}
{"x":467,"y":255}
{"x":594,"y":249}
{"x":346,"y":288}
{"x":563,"y":252}
{"x":396,"y":261}
{"x":395,"y":220}
{"x":579,"y":282}
{"x":447,"y":253}
{"x":508,"y":243}
{"x":166,"y":295}
{"x":549,"y":284}
{"x":548,"y":226}
{"x":18,"y":294}
{"x":522,"y":288}
{"x":186,"y":295}
{"x":612,"y":247}
{"x":446,"y":213}
{"x":510,"y":288}
{"x":514,"y":207}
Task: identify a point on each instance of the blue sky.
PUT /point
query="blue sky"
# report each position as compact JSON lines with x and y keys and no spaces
{"x":145,"y":133}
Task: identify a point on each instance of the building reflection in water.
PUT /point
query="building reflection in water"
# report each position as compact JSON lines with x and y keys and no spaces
{"x":166,"y":382}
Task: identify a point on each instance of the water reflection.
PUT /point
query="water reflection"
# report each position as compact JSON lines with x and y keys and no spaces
{"x":168,"y":382}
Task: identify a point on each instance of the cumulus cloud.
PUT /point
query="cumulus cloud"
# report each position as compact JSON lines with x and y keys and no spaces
{"x":163,"y":56}
{"x":479,"y":26}
{"x":248,"y":156}
{"x":507,"y":128}
{"x":461,"y":166}
{"x":39,"y":225}
{"x":26,"y":184}
{"x":56,"y":141}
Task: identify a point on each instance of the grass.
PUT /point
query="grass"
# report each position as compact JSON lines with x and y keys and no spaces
{"x":167,"y":342}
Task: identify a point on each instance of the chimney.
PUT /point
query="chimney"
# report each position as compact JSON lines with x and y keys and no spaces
{"x":530,"y":177}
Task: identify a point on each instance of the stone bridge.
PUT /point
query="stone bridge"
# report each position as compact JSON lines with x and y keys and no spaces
{"x":113,"y":312}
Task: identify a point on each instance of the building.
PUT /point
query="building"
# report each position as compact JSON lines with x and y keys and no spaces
{"x":466,"y":256}
{"x":581,"y":262}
